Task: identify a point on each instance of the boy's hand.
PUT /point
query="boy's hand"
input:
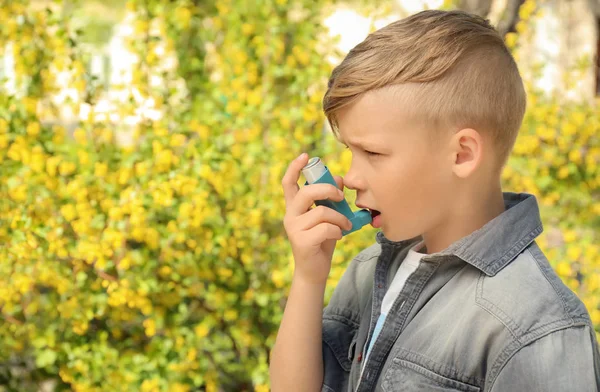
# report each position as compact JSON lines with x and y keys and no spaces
{"x":312,"y":232}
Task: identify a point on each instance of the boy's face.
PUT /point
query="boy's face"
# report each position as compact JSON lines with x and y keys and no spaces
{"x":409,"y":179}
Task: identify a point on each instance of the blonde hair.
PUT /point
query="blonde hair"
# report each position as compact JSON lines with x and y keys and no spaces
{"x":452,"y":69}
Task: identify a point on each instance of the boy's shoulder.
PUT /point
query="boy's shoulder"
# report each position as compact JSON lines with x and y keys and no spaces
{"x":529,"y":297}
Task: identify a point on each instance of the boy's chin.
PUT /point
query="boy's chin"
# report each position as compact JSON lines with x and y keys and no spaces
{"x":398,"y":236}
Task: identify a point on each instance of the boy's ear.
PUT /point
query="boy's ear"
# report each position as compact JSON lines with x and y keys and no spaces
{"x":467,"y":152}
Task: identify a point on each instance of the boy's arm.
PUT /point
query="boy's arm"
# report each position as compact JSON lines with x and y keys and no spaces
{"x":296,"y":361}
{"x":564,"y":360}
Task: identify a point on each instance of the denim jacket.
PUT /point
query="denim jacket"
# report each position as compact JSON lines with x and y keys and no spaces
{"x":486,"y":314}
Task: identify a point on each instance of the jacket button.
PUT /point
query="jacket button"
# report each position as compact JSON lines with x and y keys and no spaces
{"x":359,"y":357}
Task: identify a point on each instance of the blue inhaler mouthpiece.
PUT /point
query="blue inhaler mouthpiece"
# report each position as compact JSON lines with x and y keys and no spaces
{"x":316,"y":172}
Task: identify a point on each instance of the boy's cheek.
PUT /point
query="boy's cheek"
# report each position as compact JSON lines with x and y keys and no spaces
{"x":402,"y":224}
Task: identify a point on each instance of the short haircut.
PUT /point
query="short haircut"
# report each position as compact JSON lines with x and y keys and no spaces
{"x":452,"y":68}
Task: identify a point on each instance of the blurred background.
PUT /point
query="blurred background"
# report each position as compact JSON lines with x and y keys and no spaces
{"x":142,"y":146}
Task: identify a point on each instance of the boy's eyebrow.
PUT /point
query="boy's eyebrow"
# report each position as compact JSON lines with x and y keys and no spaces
{"x":356,"y":144}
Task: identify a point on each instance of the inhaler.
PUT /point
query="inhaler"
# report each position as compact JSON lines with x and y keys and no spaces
{"x":316,"y":172}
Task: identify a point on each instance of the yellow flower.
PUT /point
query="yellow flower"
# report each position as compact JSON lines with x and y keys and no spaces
{"x":593,"y":282}
{"x":3,"y":126}
{"x":141,"y":168}
{"x":106,"y":135}
{"x":563,"y":172}
{"x":254,"y":98}
{"x":66,"y":168}
{"x":233,"y":106}
{"x":247,"y":28}
{"x":115,"y":213}
{"x":37,"y":162}
{"x":125,"y":263}
{"x":130,"y":6}
{"x":140,"y":26}
{"x":230,"y":314}
{"x":177,"y":140}
{"x":79,"y":85}
{"x":177,"y":387}
{"x":570,"y":236}
{"x":278,"y":278}
{"x":290,"y":62}
{"x":202,"y":131}
{"x":225,"y":272}
{"x":573,"y":253}
{"x":152,"y":238}
{"x":563,"y":269}
{"x":222,"y":8}
{"x":33,"y":128}
{"x":191,"y":355}
{"x":150,"y":385}
{"x":69,"y":212}
{"x":575,"y":155}
{"x":3,"y":141}
{"x":255,"y":217}
{"x":252,"y":76}
{"x":261,"y":388}
{"x":526,"y":10}
{"x":164,"y":160}
{"x":511,"y":39}
{"x":303,"y":57}
{"x":183,"y":15}
{"x":150,"y":327}
{"x":201,"y":330}
{"x":165,"y":271}
{"x":80,"y":327}
{"x":521,"y":27}
{"x":100,"y":169}
{"x":18,"y":193}
{"x":236,"y":151}
{"x":123,"y":175}
{"x":83,"y":157}
{"x":156,"y":147}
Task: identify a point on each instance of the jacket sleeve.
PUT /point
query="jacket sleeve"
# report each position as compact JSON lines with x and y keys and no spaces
{"x":564,"y":360}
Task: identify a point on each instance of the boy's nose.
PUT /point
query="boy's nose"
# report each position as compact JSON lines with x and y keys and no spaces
{"x":353,"y":181}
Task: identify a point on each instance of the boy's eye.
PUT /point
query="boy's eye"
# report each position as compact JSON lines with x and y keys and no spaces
{"x":368,"y":152}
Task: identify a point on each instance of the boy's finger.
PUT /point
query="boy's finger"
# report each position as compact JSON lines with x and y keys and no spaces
{"x":339,"y":181}
{"x":307,"y":195}
{"x":290,"y":179}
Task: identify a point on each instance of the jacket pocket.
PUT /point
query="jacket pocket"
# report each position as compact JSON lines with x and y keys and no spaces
{"x":404,"y":375}
{"x":339,"y":340}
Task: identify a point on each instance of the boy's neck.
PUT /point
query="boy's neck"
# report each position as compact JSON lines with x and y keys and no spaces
{"x":467,"y":215}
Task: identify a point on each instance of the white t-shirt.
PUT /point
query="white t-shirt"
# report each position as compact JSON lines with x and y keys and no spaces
{"x":407,"y":267}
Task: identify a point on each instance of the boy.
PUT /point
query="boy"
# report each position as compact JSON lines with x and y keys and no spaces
{"x":455,"y":295}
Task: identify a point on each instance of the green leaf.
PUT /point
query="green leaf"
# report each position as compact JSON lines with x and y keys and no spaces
{"x":45,"y":358}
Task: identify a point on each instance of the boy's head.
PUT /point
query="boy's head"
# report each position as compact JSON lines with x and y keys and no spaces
{"x":438,"y":97}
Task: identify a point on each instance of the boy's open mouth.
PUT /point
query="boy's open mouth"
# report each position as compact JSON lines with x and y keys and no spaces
{"x":374,"y":213}
{"x":375,"y":218}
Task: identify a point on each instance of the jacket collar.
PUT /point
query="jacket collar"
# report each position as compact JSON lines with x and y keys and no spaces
{"x":493,"y":246}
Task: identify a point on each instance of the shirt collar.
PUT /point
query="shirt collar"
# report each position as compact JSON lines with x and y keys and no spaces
{"x":499,"y":241}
